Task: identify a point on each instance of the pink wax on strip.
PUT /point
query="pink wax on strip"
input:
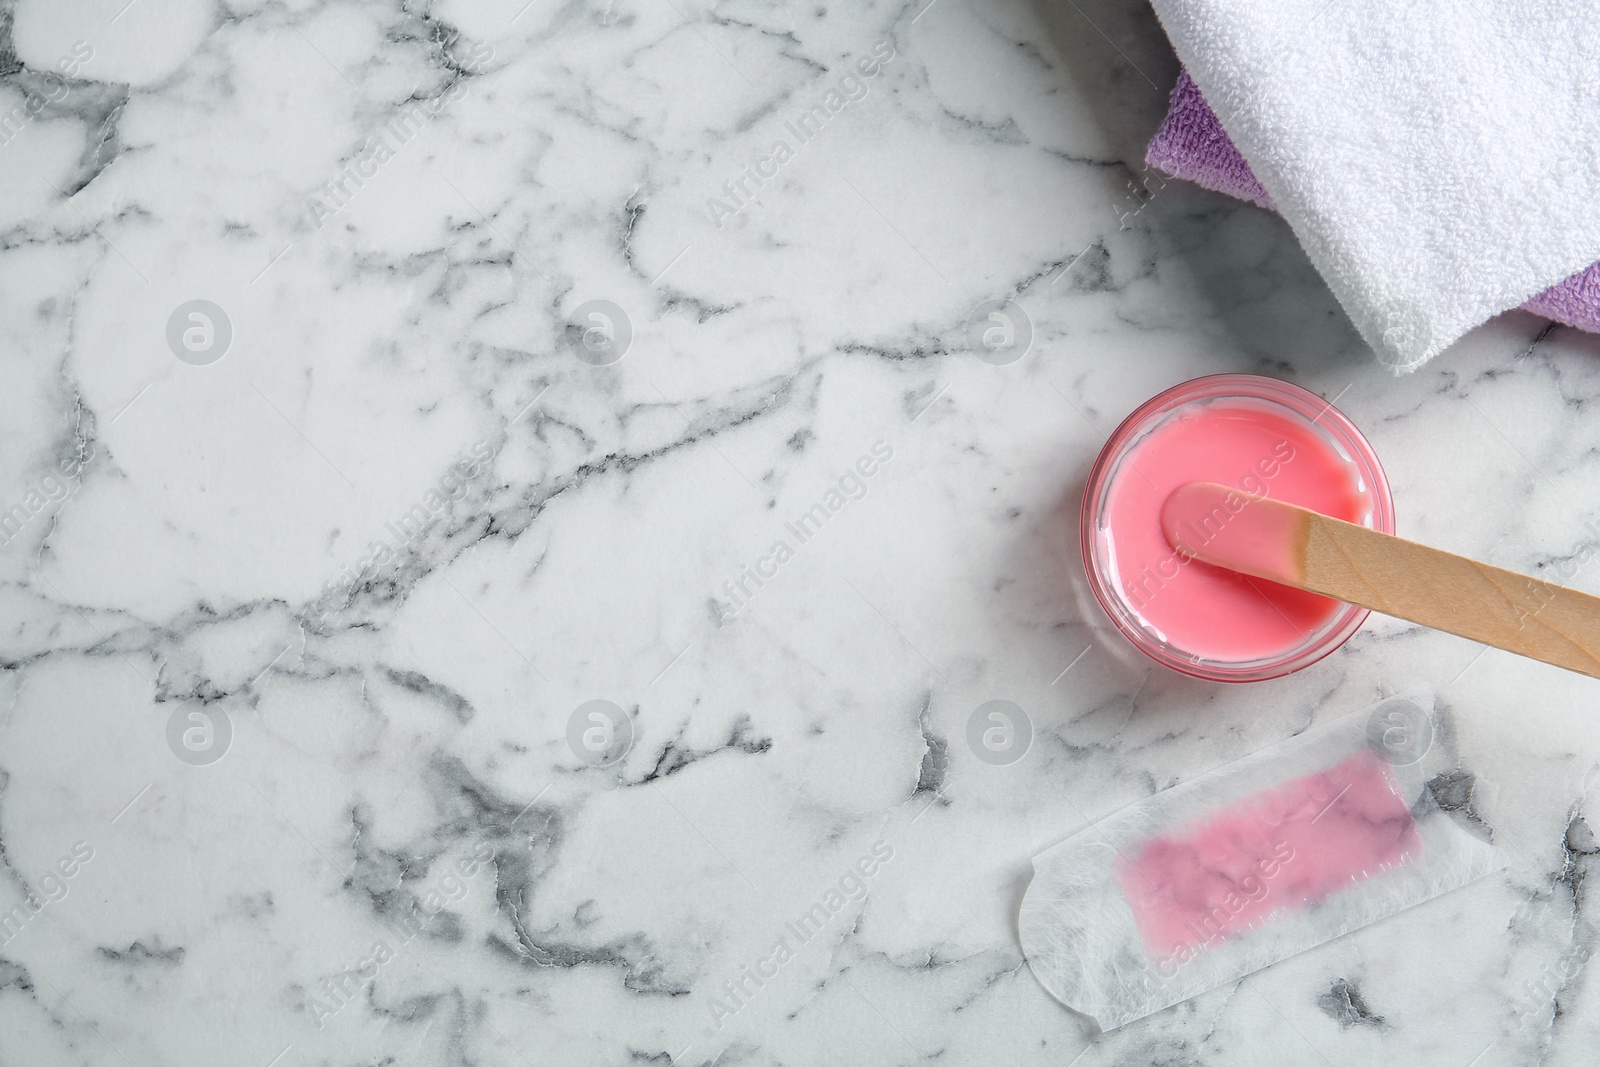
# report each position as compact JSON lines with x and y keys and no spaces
{"x":1209,"y":611}
{"x":1290,"y":846}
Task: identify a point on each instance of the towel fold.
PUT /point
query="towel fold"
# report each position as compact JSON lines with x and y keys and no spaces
{"x":1192,"y":145}
{"x":1439,"y":162}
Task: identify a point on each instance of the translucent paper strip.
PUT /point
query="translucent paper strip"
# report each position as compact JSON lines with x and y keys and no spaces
{"x":1246,"y":865}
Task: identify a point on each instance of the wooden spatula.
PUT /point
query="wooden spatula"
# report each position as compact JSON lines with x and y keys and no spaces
{"x":1295,"y":546}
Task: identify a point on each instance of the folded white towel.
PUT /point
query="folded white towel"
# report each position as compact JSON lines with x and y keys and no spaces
{"x":1439,"y":161}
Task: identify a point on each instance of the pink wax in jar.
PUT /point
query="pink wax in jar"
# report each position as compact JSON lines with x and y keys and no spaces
{"x":1268,"y":438}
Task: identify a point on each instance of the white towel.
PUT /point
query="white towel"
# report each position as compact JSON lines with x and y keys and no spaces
{"x":1439,"y":160}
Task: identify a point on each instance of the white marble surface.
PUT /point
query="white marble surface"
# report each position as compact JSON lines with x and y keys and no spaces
{"x":196,"y":544}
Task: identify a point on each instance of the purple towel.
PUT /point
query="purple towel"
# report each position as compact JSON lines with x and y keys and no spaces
{"x":1192,"y":145}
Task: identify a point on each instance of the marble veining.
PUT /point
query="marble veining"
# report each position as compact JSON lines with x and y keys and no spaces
{"x":503,"y":564}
